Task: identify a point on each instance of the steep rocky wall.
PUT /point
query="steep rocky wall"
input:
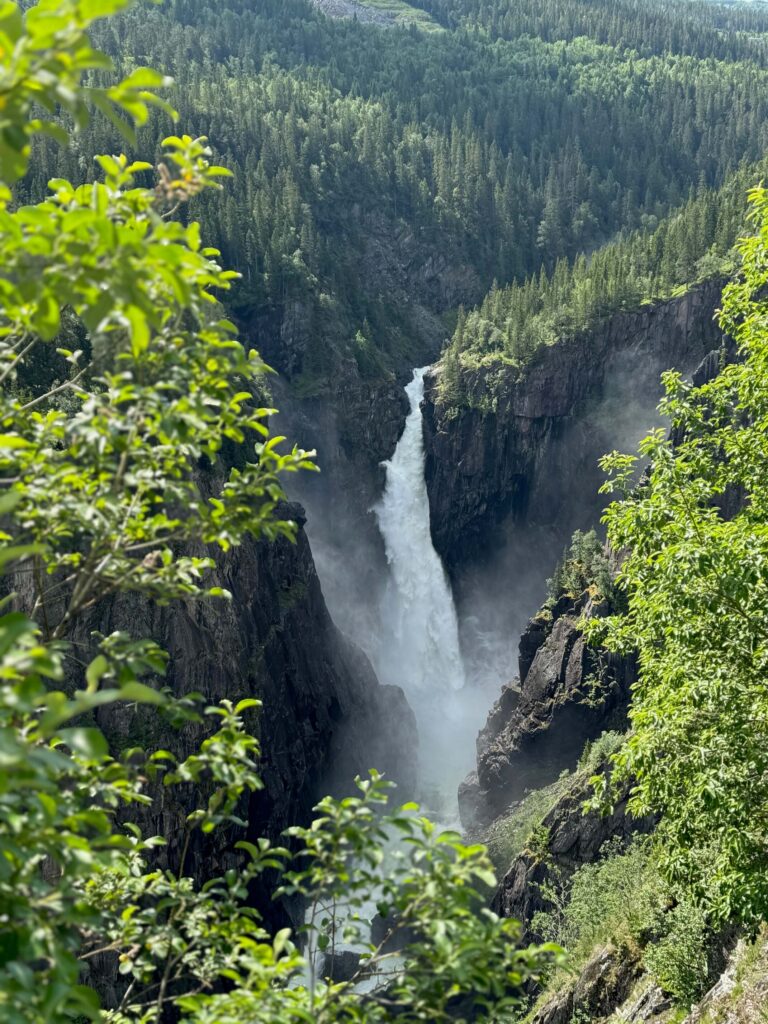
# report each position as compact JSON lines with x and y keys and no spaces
{"x":566,"y":695}
{"x":324,"y":718}
{"x":525,"y":450}
{"x":354,"y":432}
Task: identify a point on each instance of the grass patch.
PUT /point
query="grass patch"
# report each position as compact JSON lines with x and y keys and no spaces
{"x":519,"y":830}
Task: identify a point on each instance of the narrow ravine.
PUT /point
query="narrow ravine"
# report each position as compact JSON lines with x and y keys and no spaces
{"x":419,"y":620}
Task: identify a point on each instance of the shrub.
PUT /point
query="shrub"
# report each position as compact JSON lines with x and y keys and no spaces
{"x":583,"y":565}
{"x":678,"y":961}
{"x":597,"y":752}
{"x":618,"y":898}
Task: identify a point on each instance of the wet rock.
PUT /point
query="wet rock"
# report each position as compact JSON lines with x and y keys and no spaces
{"x":499,"y":715}
{"x":534,"y":637}
{"x":570,"y":694}
{"x":392,"y":937}
{"x":472,"y":803}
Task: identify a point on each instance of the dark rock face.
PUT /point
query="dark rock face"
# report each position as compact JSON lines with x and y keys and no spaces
{"x":354,"y":432}
{"x":324,"y":719}
{"x":649,"y":1005}
{"x":569,"y":694}
{"x":527,"y":449}
{"x":341,"y":966}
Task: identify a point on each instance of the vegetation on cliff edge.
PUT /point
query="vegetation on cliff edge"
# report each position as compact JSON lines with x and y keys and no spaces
{"x":696,"y":580}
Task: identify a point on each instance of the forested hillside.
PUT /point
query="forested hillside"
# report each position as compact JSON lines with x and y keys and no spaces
{"x":692,"y":244}
{"x":649,"y":26}
{"x":500,"y":145}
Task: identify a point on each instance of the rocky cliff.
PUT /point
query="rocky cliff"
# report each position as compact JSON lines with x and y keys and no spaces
{"x":567,"y":695}
{"x":324,"y":717}
{"x":524,"y":449}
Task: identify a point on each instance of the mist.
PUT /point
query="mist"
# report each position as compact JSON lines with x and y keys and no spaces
{"x":450,"y":645}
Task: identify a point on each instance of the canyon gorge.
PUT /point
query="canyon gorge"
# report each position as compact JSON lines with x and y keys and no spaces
{"x":454,"y":484}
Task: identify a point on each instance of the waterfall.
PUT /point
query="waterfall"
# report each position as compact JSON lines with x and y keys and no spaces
{"x":420,"y":649}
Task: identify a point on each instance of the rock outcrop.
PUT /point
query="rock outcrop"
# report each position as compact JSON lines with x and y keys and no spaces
{"x":568,"y":694}
{"x":525,"y":449}
{"x":602,"y":985}
{"x":573,"y":838}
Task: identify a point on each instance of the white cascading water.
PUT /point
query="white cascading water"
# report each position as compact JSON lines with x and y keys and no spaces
{"x":418,"y":647}
{"x":421,"y":649}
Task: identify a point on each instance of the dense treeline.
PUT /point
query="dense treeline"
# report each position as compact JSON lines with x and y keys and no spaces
{"x":699,"y":27}
{"x":497,"y":156}
{"x":694,"y":243}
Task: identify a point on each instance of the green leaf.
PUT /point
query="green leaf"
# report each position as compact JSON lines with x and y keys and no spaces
{"x":248,"y":702}
{"x":140,"y":334}
{"x":96,"y":671}
{"x":89,"y":743}
{"x":142,"y":694}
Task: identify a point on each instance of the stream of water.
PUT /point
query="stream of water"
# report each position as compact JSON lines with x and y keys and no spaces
{"x":419,"y":618}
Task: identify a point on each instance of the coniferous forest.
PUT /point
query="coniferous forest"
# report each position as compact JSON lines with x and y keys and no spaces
{"x":500,"y":146}
{"x":465,"y":740}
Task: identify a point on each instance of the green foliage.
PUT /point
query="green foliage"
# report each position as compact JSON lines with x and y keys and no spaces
{"x":159,"y":345}
{"x":622,"y":899}
{"x":359,"y":151}
{"x":617,"y":899}
{"x":696,"y":581}
{"x":584,"y":565}
{"x":678,"y":961}
{"x":596,"y":753}
{"x":693,"y":244}
{"x":347,"y":861}
{"x":645,"y":26}
{"x":45,"y":55}
{"x":113,"y":483}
